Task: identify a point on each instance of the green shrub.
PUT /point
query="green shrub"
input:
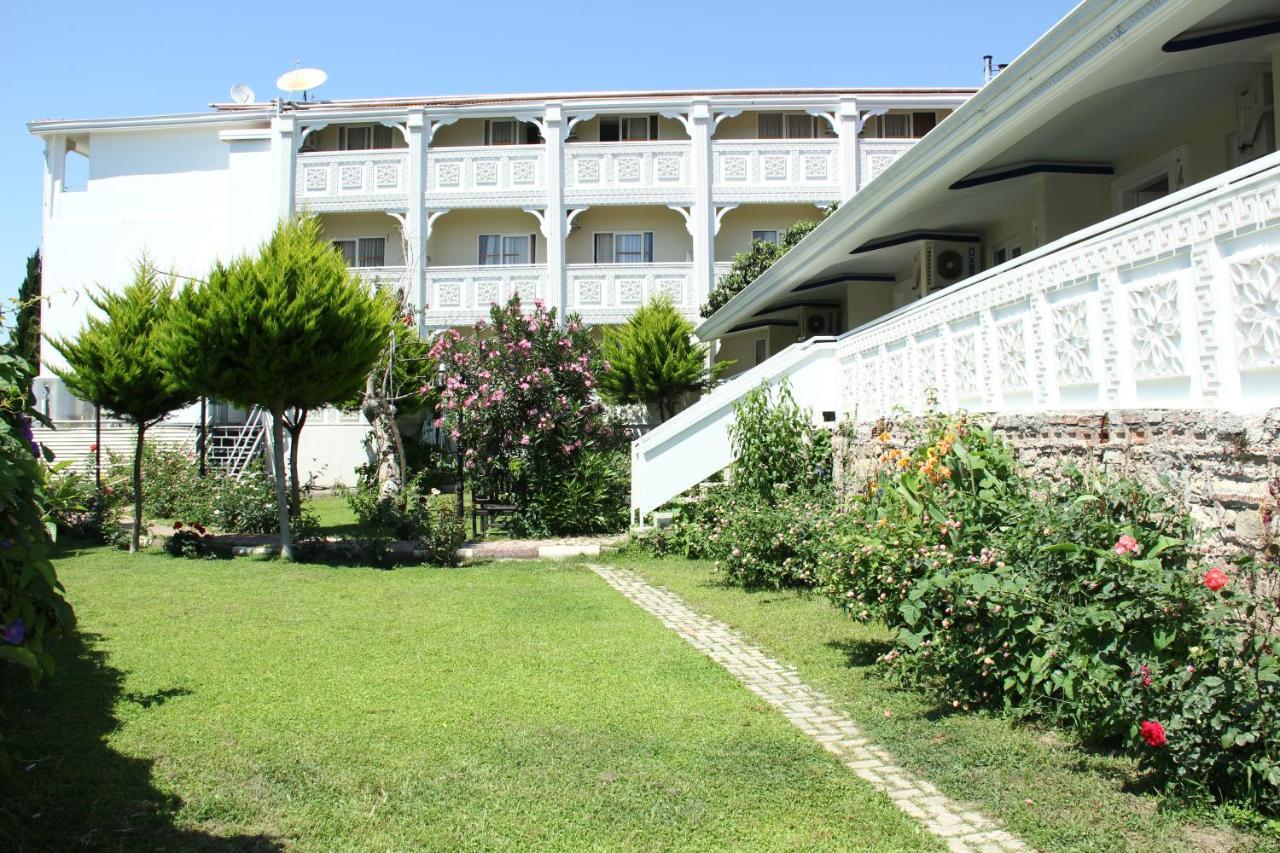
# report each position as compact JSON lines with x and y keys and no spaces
{"x":441,"y":542}
{"x":193,"y":542}
{"x":774,"y":544}
{"x":749,"y":265}
{"x":399,"y":515}
{"x":775,"y":444}
{"x":591,"y":495}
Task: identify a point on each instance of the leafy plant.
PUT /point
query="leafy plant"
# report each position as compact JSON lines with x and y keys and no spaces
{"x":776,"y":444}
{"x":750,"y":265}
{"x":290,"y":328}
{"x":117,"y":362}
{"x":654,"y":360}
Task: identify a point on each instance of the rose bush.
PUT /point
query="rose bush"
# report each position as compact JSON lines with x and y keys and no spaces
{"x":519,"y":397}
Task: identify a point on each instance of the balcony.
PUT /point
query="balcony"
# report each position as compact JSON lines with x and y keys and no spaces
{"x":609,"y":293}
{"x":459,"y":296}
{"x":628,"y":172}
{"x":879,"y":154}
{"x":486,"y":176}
{"x":776,"y":170}
{"x":1172,"y":305}
{"x":395,"y":278}
{"x":333,"y":181}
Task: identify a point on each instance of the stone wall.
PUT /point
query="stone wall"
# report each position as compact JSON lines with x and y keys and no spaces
{"x":1225,"y":467}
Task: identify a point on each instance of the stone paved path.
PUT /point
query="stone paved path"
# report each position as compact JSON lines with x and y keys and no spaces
{"x":811,"y":712}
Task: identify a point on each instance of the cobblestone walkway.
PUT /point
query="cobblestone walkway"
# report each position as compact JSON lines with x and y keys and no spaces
{"x":811,"y":712}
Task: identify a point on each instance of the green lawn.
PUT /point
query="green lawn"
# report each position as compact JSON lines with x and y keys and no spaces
{"x":245,"y":704}
{"x":1053,"y":795}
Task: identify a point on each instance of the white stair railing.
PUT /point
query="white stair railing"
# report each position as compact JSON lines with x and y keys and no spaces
{"x":248,"y":439}
{"x":695,"y":445}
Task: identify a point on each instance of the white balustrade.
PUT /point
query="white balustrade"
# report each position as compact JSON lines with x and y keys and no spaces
{"x":609,"y":293}
{"x":459,"y":296}
{"x":390,"y":277}
{"x":876,"y":155}
{"x":353,"y":180}
{"x":776,"y":170}
{"x":486,"y":176}
{"x":631,"y":172}
{"x":1173,"y":305}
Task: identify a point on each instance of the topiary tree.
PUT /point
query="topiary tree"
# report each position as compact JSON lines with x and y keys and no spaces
{"x":291,"y":328}
{"x":749,"y":265}
{"x":117,"y":362}
{"x":654,"y":359}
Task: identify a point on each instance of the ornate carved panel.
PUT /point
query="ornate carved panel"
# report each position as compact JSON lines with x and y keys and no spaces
{"x":629,"y":169}
{"x":630,"y":291}
{"x":522,"y":172}
{"x":733,"y":168}
{"x":587,"y":170}
{"x":1256,"y":285}
{"x":386,"y":175}
{"x":487,"y":293}
{"x":667,"y":168}
{"x":815,"y":167}
{"x":351,"y":176}
{"x":773,"y":167}
{"x":965,"y":360}
{"x":486,"y":172}
{"x":1073,"y":341}
{"x":1156,"y":330}
{"x":449,"y":294}
{"x":671,"y":286}
{"x":448,"y":174}
{"x":316,"y":178}
{"x":590,"y":291}
{"x":1011,"y":339}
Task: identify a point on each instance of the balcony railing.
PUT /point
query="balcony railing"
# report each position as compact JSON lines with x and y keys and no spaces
{"x":353,"y":180}
{"x":876,"y":155}
{"x":486,"y":175}
{"x":635,"y":172}
{"x":776,"y":170}
{"x":459,"y":296}
{"x":390,"y":277}
{"x":609,"y":293}
{"x":1175,"y":304}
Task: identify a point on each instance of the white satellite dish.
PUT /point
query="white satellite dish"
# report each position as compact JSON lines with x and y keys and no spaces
{"x":242,"y":94}
{"x":301,"y":79}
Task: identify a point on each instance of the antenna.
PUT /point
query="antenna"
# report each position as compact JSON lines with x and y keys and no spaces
{"x":242,"y":94}
{"x":301,"y":80}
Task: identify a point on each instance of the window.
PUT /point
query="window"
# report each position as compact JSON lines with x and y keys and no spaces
{"x":510,"y":132}
{"x":630,"y":248}
{"x":1153,"y":180}
{"x":922,"y":123}
{"x":363,"y":137}
{"x":363,"y":251}
{"x":768,"y":235}
{"x":507,"y":249}
{"x":1006,"y":251}
{"x":762,"y":350}
{"x":895,"y":126}
{"x":790,"y":126}
{"x":628,"y":128}
{"x":1150,"y":191}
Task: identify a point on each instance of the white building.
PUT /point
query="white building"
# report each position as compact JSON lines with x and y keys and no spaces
{"x":1097,"y":229}
{"x":592,"y":202}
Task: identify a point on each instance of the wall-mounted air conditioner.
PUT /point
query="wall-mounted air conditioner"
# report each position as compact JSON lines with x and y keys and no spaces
{"x":942,"y":263}
{"x":817,"y":322}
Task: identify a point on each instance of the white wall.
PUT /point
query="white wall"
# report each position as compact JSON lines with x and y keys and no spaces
{"x":671,"y":240}
{"x":455,"y":237}
{"x":354,"y":225}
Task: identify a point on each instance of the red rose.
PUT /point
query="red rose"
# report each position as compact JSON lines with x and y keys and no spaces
{"x":1215,"y":579}
{"x":177,"y":525}
{"x":1153,"y":733}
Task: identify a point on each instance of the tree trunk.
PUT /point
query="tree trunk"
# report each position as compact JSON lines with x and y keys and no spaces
{"x":282,"y":497}
{"x":136,"y":536}
{"x":295,"y":486}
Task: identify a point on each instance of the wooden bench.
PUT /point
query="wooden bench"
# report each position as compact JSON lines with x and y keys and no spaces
{"x":484,"y":510}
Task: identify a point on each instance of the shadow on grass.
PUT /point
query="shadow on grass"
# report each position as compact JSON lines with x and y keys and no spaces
{"x":70,"y":789}
{"x":861,"y":653}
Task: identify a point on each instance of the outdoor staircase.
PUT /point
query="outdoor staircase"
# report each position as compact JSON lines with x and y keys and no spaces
{"x":232,"y":448}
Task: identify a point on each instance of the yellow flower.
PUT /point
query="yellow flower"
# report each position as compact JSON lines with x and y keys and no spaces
{"x":884,"y":436}
{"x":903,"y":462}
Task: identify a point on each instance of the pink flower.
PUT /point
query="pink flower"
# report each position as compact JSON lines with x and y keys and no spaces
{"x":524,"y":439}
{"x":1215,"y":579}
{"x":1126,"y":544}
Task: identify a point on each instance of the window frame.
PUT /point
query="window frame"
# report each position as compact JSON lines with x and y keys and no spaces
{"x":531,"y":244}
{"x":647,"y":246}
{"x":820,"y":127}
{"x":356,"y":255}
{"x":776,"y":232}
{"x":373,"y":131}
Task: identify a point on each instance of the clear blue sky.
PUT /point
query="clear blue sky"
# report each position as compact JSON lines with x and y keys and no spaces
{"x":88,"y":58}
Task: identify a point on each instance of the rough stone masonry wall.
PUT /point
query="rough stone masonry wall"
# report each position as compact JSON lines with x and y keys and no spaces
{"x":1225,"y":467}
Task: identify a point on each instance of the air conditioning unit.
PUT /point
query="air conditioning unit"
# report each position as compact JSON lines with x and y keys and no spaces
{"x":817,"y":322}
{"x":1255,"y":127}
{"x":942,"y":263}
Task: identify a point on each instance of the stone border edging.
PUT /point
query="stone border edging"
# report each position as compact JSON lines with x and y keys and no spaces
{"x":810,"y":711}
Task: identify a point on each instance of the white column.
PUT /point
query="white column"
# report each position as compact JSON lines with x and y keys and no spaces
{"x":284,"y":144}
{"x":702,"y":217}
{"x":55,"y":165}
{"x":415,"y":217}
{"x":553,"y":218}
{"x":848,"y":127}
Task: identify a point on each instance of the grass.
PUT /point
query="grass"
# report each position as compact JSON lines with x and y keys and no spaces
{"x":1051,"y":793}
{"x":334,"y":515}
{"x":255,"y":705}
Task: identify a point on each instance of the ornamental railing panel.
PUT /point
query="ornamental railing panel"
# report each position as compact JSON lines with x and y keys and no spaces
{"x":627,"y":172}
{"x":353,"y":180}
{"x":1173,"y":305}
{"x":459,"y":296}
{"x":609,"y":293}
{"x":782,"y":170}
{"x":486,"y":175}
{"x":876,"y":155}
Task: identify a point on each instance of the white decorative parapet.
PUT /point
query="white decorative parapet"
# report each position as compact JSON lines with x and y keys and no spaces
{"x":1173,"y":305}
{"x":397,"y":278}
{"x":459,"y":296}
{"x":609,"y":293}
{"x":631,"y":172}
{"x":876,"y":155}
{"x":764,"y":170}
{"x":695,"y":444}
{"x":486,"y":175}
{"x":353,"y":180}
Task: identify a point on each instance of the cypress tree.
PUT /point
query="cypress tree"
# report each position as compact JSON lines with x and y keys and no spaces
{"x":288,"y":329}
{"x":24,"y":338}
{"x":116,"y":362}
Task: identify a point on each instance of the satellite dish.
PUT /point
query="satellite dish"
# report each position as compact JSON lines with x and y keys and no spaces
{"x":242,"y":94}
{"x":301,"y":79}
